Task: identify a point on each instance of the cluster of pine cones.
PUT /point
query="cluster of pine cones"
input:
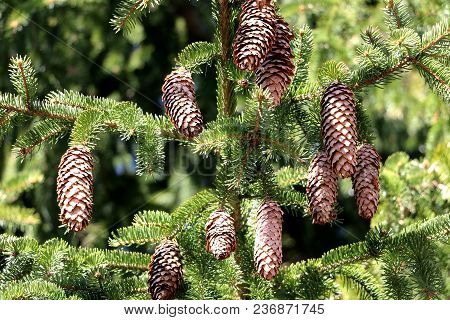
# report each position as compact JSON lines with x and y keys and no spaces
{"x":165,"y":270}
{"x":267,"y":254}
{"x":261,"y":45}
{"x":340,"y":158}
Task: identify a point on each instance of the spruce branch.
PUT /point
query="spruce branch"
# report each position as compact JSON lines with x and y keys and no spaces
{"x":304,"y":280}
{"x":196,"y":54}
{"x":86,"y":128}
{"x":160,"y":219}
{"x":302,"y":49}
{"x":436,"y":75}
{"x":138,"y":235}
{"x":23,"y":77}
{"x":13,"y":103}
{"x":382,"y":76}
{"x":32,"y":290}
{"x":394,"y":276}
{"x":148,"y":227}
{"x":116,"y":259}
{"x":12,"y":187}
{"x":436,"y":39}
{"x":403,"y":42}
{"x":377,"y":240}
{"x":407,"y":261}
{"x":373,"y":37}
{"x":288,"y":176}
{"x":13,"y":246}
{"x":18,"y":218}
{"x":129,"y":12}
{"x":332,"y":71}
{"x":5,"y":121}
{"x":150,"y":148}
{"x":45,"y":131}
{"x":397,"y":14}
{"x":358,"y":278}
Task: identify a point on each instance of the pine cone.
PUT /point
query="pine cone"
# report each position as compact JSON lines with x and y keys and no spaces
{"x":366,"y":180}
{"x":255,"y":34}
{"x":181,"y":104}
{"x":165,"y":271}
{"x":339,"y":131}
{"x":321,"y":189}
{"x":220,"y":234}
{"x":276,"y":71}
{"x":263,"y":3}
{"x":74,"y":186}
{"x":268,"y":250}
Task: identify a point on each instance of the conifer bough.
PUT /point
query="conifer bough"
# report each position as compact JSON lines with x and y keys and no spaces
{"x":366,"y":180}
{"x":165,"y":271}
{"x":339,"y":130}
{"x":58,"y":271}
{"x":75,"y":187}
{"x":321,"y":189}
{"x":181,"y":104}
{"x":220,"y":234}
{"x":268,"y":252}
{"x":255,"y":35}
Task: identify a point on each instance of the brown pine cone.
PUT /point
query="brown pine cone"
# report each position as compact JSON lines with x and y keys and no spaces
{"x":75,"y":187}
{"x":268,"y":252}
{"x":220,"y":234}
{"x":276,"y":71}
{"x":263,"y":3}
{"x":181,"y":104}
{"x":366,"y":180}
{"x":165,"y":271}
{"x":321,"y":189}
{"x":339,"y":132}
{"x":255,"y":34}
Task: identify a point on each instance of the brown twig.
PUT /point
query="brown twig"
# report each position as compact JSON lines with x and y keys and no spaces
{"x":127,"y":17}
{"x":433,"y":74}
{"x":225,"y":35}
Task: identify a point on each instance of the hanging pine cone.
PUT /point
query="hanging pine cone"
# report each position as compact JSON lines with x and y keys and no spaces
{"x":75,"y":187}
{"x":220,"y":234}
{"x":165,"y":271}
{"x":339,"y":131}
{"x":263,"y":3}
{"x":321,"y":189}
{"x":366,"y":180}
{"x":276,"y":71}
{"x":181,"y":104}
{"x":255,"y":34}
{"x":267,"y":252}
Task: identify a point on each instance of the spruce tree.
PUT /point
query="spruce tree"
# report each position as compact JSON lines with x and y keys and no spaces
{"x":263,"y":147}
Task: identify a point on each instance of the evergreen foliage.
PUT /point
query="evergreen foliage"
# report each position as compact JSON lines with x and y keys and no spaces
{"x":261,"y":152}
{"x":14,"y":217}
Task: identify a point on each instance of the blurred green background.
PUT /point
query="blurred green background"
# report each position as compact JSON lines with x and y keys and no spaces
{"x":73,"y":46}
